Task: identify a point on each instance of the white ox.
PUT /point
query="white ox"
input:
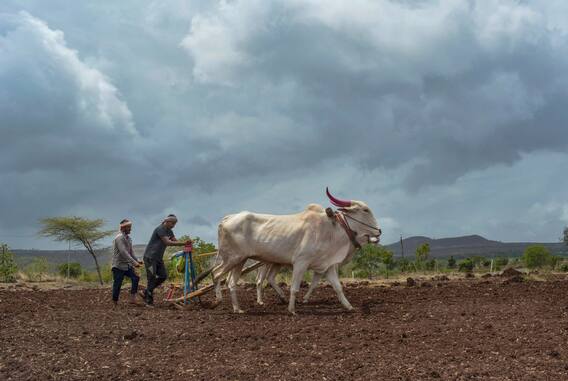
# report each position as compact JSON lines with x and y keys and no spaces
{"x":309,"y":240}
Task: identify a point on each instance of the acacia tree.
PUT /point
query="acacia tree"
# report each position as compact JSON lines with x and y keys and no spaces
{"x":78,"y":230}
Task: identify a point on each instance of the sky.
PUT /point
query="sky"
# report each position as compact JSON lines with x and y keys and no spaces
{"x":447,"y":117}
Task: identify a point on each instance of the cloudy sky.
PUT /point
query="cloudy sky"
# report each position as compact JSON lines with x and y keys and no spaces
{"x":448,"y":117}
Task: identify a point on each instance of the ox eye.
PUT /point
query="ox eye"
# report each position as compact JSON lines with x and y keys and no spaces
{"x":366,"y":210}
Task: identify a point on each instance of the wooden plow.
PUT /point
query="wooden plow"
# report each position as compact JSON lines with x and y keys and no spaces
{"x":191,"y":290}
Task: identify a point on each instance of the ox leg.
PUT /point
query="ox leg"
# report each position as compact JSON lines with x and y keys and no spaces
{"x":272,"y":281}
{"x":218,"y":272}
{"x":333,"y":279}
{"x":297,"y":276}
{"x":313,"y":286}
{"x":260,"y":277}
{"x":233,"y":279}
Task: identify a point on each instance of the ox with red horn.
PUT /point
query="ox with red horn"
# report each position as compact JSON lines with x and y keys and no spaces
{"x":337,"y":202}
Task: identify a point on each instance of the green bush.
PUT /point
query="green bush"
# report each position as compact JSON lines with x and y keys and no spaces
{"x":106,"y":273}
{"x":500,"y":262}
{"x":553,"y":261}
{"x":87,"y":276}
{"x":451,"y":263}
{"x":466,"y":265}
{"x":345,"y":271}
{"x":201,"y":263}
{"x":536,"y":256}
{"x":422,"y":255}
{"x":370,"y":258}
{"x":477,"y":260}
{"x":172,"y":268}
{"x":8,"y":268}
{"x":430,"y":265}
{"x":74,"y":268}
{"x":37,"y":269}
{"x":93,"y":276}
{"x":564,"y":267}
{"x":404,"y":265}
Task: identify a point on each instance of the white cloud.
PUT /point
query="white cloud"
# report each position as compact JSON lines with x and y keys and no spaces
{"x":214,"y":40}
{"x":35,"y":53}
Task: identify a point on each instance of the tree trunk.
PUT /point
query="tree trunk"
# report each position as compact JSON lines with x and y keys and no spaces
{"x":90,"y":249}
{"x":92,"y":252}
{"x":98,"y":267}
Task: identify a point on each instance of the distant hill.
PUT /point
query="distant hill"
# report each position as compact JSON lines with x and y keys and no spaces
{"x":57,"y":257}
{"x":470,"y":245}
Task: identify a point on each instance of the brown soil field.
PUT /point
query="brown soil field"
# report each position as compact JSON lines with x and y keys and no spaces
{"x":472,"y":329}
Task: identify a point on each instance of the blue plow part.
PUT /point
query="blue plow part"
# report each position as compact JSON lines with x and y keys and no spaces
{"x":189,"y":284}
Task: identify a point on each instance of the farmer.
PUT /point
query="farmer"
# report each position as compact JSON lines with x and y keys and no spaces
{"x":162,"y":237}
{"x":123,"y":262}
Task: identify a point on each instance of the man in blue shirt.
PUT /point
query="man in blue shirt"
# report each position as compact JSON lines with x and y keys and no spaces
{"x":156,"y":272}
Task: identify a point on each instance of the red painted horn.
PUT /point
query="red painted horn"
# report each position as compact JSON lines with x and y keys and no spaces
{"x":337,"y":202}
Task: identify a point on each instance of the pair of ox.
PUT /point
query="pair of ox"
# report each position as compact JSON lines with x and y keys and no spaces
{"x":309,"y":240}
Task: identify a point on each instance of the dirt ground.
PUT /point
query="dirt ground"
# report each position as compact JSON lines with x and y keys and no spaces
{"x":471,"y":329}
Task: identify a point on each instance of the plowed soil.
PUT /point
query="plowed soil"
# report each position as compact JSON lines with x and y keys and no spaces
{"x":459,"y":330}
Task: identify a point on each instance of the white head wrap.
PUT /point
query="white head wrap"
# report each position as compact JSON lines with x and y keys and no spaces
{"x":125,"y":224}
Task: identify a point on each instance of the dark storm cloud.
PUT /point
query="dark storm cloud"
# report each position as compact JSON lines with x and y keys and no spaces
{"x":463,"y":88}
{"x":140,"y":109}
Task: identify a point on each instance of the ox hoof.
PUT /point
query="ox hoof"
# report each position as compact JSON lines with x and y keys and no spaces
{"x":260,"y":303}
{"x":239,"y":311}
{"x":305,"y":301}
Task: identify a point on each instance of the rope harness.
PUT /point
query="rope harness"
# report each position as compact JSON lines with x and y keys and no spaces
{"x":364,"y":224}
{"x":341,"y":218}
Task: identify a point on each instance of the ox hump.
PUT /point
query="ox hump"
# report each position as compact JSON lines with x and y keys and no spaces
{"x":314,"y":208}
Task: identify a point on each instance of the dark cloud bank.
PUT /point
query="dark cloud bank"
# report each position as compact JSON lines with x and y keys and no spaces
{"x":200,"y":108}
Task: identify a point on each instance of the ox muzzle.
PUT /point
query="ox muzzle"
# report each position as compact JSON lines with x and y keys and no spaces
{"x":374,"y":239}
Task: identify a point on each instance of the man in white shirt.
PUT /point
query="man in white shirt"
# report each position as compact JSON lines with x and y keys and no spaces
{"x":124,"y":262}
